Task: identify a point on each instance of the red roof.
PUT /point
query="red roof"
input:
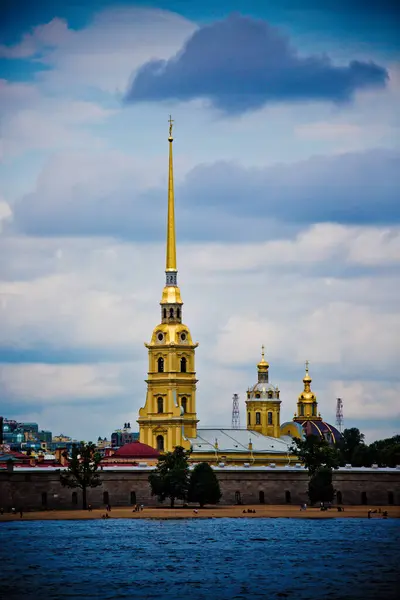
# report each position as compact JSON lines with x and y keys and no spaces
{"x":136,"y":450}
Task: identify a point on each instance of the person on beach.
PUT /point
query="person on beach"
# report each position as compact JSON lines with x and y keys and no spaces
{"x":90,"y":508}
{"x":20,"y":513}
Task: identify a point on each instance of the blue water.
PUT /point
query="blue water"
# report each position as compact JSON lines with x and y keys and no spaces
{"x":221,"y":559}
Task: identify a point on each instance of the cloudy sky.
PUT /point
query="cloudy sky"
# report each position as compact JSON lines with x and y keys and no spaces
{"x":287,"y":199}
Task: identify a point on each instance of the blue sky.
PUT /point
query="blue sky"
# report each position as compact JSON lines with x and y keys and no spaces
{"x":287,"y":183}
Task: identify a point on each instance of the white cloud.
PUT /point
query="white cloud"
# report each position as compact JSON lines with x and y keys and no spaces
{"x":51,"y":34}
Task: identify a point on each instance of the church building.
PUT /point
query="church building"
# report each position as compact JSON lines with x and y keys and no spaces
{"x":169,"y":419}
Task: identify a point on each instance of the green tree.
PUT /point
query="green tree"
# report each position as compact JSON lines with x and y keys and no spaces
{"x":320,"y":488}
{"x":204,"y":486}
{"x":352,"y":440}
{"x":171,"y":477}
{"x":82,"y":471}
{"x":315,"y":452}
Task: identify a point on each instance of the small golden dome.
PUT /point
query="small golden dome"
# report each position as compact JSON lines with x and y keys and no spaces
{"x":263,"y":365}
{"x":307,"y":395}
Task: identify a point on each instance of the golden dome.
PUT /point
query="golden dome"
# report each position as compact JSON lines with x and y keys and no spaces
{"x":263,"y":365}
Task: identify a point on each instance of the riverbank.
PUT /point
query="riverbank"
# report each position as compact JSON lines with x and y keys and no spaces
{"x":260,"y":511}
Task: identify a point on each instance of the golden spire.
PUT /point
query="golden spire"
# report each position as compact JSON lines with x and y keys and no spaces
{"x":171,"y":242}
{"x":307,"y":394}
{"x":263,"y":365}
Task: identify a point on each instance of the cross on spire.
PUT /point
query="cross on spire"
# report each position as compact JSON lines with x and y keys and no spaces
{"x":170,"y":121}
{"x":262,"y":351}
{"x":307,"y":363}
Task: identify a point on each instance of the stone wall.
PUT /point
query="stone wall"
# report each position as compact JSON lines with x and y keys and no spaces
{"x":35,"y":489}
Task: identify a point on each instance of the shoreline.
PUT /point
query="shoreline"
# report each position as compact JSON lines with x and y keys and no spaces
{"x":209,"y":512}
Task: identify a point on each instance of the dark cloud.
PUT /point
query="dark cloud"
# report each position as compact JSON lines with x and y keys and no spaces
{"x":224,"y":201}
{"x":240,"y":64}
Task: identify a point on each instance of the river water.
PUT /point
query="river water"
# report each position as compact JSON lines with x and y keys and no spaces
{"x":200,"y":559}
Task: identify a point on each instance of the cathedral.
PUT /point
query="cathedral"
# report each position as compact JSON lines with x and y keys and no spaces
{"x":169,"y":417}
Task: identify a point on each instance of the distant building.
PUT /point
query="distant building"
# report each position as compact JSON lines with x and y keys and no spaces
{"x":123,"y":436}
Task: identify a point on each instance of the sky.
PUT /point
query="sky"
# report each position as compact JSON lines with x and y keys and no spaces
{"x":286,"y":153}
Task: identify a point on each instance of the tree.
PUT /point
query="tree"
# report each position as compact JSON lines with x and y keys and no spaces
{"x":350,"y":443}
{"x":204,"y":486}
{"x":82,"y":471}
{"x":320,"y":488}
{"x":171,"y":477}
{"x":315,"y":452}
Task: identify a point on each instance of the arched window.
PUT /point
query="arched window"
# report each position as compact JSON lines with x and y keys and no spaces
{"x":364,"y":499}
{"x":160,"y":443}
{"x":74,"y":498}
{"x":339,"y":498}
{"x":106,"y":498}
{"x":165,"y":313}
{"x":160,"y":405}
{"x":248,"y":418}
{"x":314,"y":409}
{"x":258,"y":418}
{"x":302,"y":410}
{"x":269,"y":394}
{"x":44,"y":498}
{"x":390,"y":498}
{"x":171,"y":313}
{"x":160,"y":365}
{"x":133,"y":497}
{"x":261,"y":497}
{"x":270,"y":422}
{"x":288,"y":497}
{"x":178,"y":313}
{"x":184,"y":404}
{"x":258,"y":396}
{"x":183,"y":365}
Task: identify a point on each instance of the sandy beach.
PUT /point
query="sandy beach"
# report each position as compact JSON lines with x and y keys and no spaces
{"x":269,"y":511}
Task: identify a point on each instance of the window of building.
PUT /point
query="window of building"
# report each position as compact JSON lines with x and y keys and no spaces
{"x":301,"y":410}
{"x":160,"y":443}
{"x":314,"y":409}
{"x":258,"y":396}
{"x":178,"y":313}
{"x":248,"y":418}
{"x":261,"y":497}
{"x":184,"y":404}
{"x":339,"y":498}
{"x":183,"y":365}
{"x":258,"y":418}
{"x":133,"y":498}
{"x":160,"y":405}
{"x":390,"y":498}
{"x":44,"y":499}
{"x":238,"y":499}
{"x":74,"y":498}
{"x":171,"y":313}
{"x":165,"y":313}
{"x":160,"y":365}
{"x":106,"y":498}
{"x":364,"y":499}
{"x":270,"y":422}
{"x":288,"y":497}
{"x":269,"y":394}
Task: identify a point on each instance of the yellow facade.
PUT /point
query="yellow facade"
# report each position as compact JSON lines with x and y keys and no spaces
{"x":169,"y":415}
{"x":263,"y":405}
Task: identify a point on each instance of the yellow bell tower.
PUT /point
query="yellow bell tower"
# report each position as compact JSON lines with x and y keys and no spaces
{"x":169,"y":415}
{"x":307,"y":402}
{"x":263,"y":405}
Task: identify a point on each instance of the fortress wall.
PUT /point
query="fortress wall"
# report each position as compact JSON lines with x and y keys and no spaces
{"x":36,"y":489}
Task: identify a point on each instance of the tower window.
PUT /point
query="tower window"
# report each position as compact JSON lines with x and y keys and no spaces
{"x":314,"y":409}
{"x":160,"y":405}
{"x":258,"y":418}
{"x":160,"y":365}
{"x":160,"y":443}
{"x":183,"y":365}
{"x":178,"y":313}
{"x":165,"y":313}
{"x":302,"y":410}
{"x":270,"y":422}
{"x":171,"y":313}
{"x":184,"y":404}
{"x":248,"y":418}
{"x":364,"y":499}
{"x":288,"y":497}
{"x":269,"y":394}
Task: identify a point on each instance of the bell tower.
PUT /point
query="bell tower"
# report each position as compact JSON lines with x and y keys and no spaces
{"x":263,"y":405}
{"x":169,"y":417}
{"x":307,"y":402}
